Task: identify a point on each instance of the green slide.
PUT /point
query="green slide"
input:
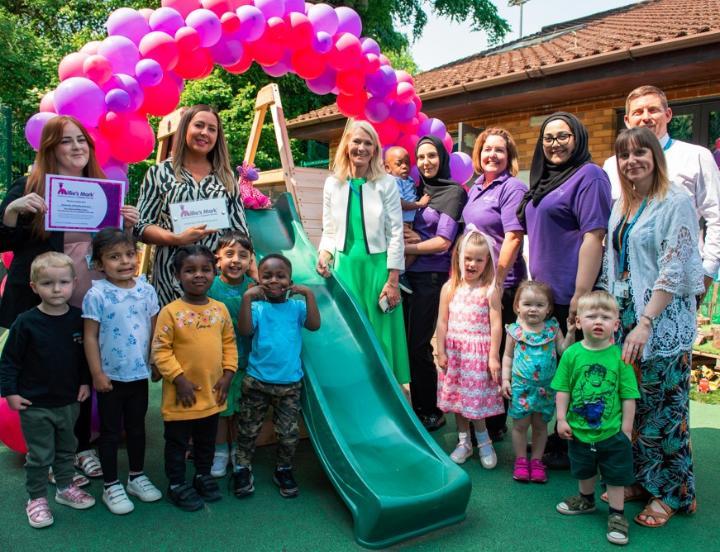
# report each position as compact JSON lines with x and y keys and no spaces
{"x":396,"y":481}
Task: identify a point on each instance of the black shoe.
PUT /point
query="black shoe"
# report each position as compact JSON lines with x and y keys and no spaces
{"x":283,"y":478}
{"x":433,"y":422}
{"x":242,"y":481}
{"x":207,"y":488}
{"x":556,"y":460}
{"x":185,"y":498}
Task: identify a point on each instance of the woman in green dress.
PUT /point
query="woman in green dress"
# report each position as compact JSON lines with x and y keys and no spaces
{"x":363,"y":237}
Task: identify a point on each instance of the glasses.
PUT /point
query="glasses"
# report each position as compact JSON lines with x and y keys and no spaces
{"x":562,"y":139}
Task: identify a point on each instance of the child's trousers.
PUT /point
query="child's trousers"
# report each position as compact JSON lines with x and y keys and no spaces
{"x":257,"y":396}
{"x":177,"y":438}
{"x":51,"y":442}
{"x":124,"y":406}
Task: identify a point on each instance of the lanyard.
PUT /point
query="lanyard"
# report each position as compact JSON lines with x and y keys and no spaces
{"x":669,"y":143}
{"x":624,"y":234}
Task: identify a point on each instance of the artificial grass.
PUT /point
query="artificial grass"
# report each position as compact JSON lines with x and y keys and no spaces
{"x":502,"y":514}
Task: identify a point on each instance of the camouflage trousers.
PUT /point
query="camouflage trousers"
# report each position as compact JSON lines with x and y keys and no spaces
{"x":255,"y":400}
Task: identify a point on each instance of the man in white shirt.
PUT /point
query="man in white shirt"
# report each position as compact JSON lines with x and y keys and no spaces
{"x":688,"y":165}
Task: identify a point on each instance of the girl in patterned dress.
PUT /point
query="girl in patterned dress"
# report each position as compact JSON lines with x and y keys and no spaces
{"x":529,"y":362}
{"x":468,"y":337}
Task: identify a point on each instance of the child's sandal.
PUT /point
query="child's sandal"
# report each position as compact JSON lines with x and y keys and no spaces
{"x":89,"y":463}
{"x":617,"y":529}
{"x":575,"y":505}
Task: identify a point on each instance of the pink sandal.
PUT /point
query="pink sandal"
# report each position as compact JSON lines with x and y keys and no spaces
{"x":538,"y":474}
{"x":521,"y":471}
{"x":38,"y":513}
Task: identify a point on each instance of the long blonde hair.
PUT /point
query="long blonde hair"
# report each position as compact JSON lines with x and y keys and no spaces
{"x":641,"y":137}
{"x":219,"y":156}
{"x":341,"y":163}
{"x":46,"y":163}
{"x":456,"y":268}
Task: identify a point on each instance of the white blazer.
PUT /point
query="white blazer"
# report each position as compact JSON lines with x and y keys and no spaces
{"x":381,"y":217}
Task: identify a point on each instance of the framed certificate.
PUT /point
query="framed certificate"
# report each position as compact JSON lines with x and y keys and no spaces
{"x":211,"y":212}
{"x":78,"y":204}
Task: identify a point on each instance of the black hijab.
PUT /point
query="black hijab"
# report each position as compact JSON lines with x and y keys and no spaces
{"x":446,"y":195}
{"x":546,"y":176}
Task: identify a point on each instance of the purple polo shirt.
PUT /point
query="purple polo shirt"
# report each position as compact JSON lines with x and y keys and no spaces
{"x":494,"y":211}
{"x":556,"y":226}
{"x":428,"y":224}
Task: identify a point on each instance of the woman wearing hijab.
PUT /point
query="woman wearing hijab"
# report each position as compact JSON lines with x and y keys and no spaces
{"x":435,"y":228}
{"x":566,"y":213}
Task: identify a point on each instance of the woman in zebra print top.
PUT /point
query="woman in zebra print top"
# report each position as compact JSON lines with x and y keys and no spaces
{"x":199,"y":169}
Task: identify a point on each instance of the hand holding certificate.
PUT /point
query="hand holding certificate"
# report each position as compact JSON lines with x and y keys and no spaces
{"x":211,"y":214}
{"x":77,"y":204}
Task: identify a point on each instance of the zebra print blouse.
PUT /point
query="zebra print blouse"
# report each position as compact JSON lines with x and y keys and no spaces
{"x":161,"y":188}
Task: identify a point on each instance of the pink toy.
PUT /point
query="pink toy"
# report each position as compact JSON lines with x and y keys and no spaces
{"x":10,"y":430}
{"x":252,"y":198}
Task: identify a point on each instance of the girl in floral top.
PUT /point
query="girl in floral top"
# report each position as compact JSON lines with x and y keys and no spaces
{"x":529,"y":363}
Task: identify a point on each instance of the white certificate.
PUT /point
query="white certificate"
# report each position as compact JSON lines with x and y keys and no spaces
{"x":77,"y":204}
{"x":211,"y":212}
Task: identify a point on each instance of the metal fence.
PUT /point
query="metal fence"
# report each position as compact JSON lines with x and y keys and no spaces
{"x":16,"y":155}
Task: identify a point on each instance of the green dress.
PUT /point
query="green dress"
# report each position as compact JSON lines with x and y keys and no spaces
{"x":365,"y":275}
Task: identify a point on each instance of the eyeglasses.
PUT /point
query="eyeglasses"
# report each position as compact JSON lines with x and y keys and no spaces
{"x":562,"y":139}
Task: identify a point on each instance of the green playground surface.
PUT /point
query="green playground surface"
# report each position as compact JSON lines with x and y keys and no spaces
{"x":501,"y":515}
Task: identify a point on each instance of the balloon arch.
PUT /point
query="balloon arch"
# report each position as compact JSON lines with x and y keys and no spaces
{"x":112,"y":85}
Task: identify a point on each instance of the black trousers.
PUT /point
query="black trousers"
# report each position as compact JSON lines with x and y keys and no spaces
{"x":421,"y":311}
{"x":82,"y":425}
{"x":123,"y":407}
{"x":177,"y":438}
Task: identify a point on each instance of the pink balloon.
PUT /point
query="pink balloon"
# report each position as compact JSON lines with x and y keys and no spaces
{"x":91,"y":47}
{"x":372,"y":63}
{"x":72,"y":65}
{"x":266,"y":52}
{"x":116,"y":170}
{"x":166,"y":20}
{"x":252,"y":23}
{"x":133,"y":88}
{"x":280,"y":69}
{"x":308,"y":64}
{"x":162,"y":98}
{"x":323,"y":84}
{"x":161,"y":47}
{"x":10,"y":430}
{"x":388,"y":131}
{"x":346,"y":53}
{"x":461,"y":169}
{"x":324,"y":18}
{"x":348,"y":21}
{"x":46,"y":104}
{"x":301,"y":31}
{"x":350,"y":82}
{"x":448,"y":142}
{"x":146,"y":13}
{"x":34,"y":128}
{"x":294,"y":6}
{"x":271,"y":8}
{"x":408,"y":141}
{"x":218,"y":7}
{"x":404,"y":91}
{"x":230,"y":23}
{"x":97,"y":68}
{"x":80,"y":98}
{"x":195,"y":64}
{"x":127,"y":22}
{"x":207,"y":24}
{"x":183,"y":7}
{"x":277,"y":31}
{"x":227,"y":51}
{"x":102,"y":146}
{"x":121,"y":52}
{"x":383,"y":59}
{"x":242,"y":65}
{"x":369,"y":46}
{"x":148,"y":72}
{"x":134,"y":142}
{"x":404,"y":76}
{"x":187,"y":40}
{"x":118,"y":100}
{"x":352,"y":105}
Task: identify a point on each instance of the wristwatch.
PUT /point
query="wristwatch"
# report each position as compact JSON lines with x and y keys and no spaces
{"x":650,"y":319}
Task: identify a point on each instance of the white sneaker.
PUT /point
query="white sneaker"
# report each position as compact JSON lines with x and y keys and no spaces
{"x":462,"y":452}
{"x":219,"y":465}
{"x":488,"y":458}
{"x":116,"y":499}
{"x":143,"y":488}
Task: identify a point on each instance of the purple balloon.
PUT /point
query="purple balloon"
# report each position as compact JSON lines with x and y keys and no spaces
{"x":323,"y":84}
{"x":80,"y":98}
{"x":278,"y":70}
{"x":34,"y":128}
{"x":128,"y":23}
{"x":118,"y":100}
{"x":207,"y":24}
{"x":227,"y":51}
{"x":121,"y":52}
{"x":148,"y":72}
{"x":133,"y":88}
{"x":415,"y":173}
{"x":403,"y":112}
{"x":461,"y":169}
{"x":166,"y":20}
{"x":434,"y":127}
{"x":369,"y":46}
{"x":116,"y":170}
{"x":348,"y":21}
{"x":376,"y":110}
{"x":294,"y":6}
{"x":271,"y":8}
{"x":381,"y":82}
{"x":322,"y":42}
{"x":252,"y":23}
{"x":323,"y":18}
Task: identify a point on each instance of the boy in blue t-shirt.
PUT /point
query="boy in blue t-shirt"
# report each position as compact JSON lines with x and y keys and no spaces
{"x":274,"y":372}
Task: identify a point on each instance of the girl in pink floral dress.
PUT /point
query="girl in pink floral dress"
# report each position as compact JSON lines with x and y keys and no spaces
{"x":469,"y":330}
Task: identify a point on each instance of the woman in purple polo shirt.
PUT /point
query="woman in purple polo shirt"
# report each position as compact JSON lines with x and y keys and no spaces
{"x":492,"y":207}
{"x":435,"y":229}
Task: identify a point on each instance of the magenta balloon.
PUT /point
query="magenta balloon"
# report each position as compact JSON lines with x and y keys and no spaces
{"x":46,"y":104}
{"x":322,"y":42}
{"x":381,"y":82}
{"x":404,"y":76}
{"x":432,"y":126}
{"x":348,"y":21}
{"x":34,"y":128}
{"x":281,"y":68}
{"x":207,"y":24}
{"x":72,"y":65}
{"x":324,"y":84}
{"x":97,"y":68}
{"x":461,"y":169}
{"x":121,"y":52}
{"x":405,"y":91}
{"x":228,"y":51}
{"x":166,"y":20}
{"x":183,"y":7}
{"x":161,"y":47}
{"x":80,"y":98}
{"x":148,"y":72}
{"x":133,"y":88}
{"x":403,"y":112}
{"x":294,"y":6}
{"x":252,"y":23}
{"x":118,"y":100}
{"x":376,"y":110}
{"x":448,"y":142}
{"x":127,"y":22}
{"x":323,"y":18}
{"x":271,"y":8}
{"x":369,"y":46}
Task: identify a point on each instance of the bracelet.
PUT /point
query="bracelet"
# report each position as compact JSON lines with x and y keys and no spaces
{"x":650,"y":319}
{"x":388,"y":283}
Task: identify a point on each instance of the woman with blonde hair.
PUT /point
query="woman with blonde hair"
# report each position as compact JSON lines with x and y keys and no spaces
{"x":199,"y":169}
{"x":362,"y":237}
{"x":653,"y":267}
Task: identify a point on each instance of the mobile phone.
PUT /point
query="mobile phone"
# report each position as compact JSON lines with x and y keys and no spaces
{"x":384,"y":305}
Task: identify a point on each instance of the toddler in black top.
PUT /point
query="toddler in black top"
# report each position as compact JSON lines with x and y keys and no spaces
{"x":44,"y":375}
